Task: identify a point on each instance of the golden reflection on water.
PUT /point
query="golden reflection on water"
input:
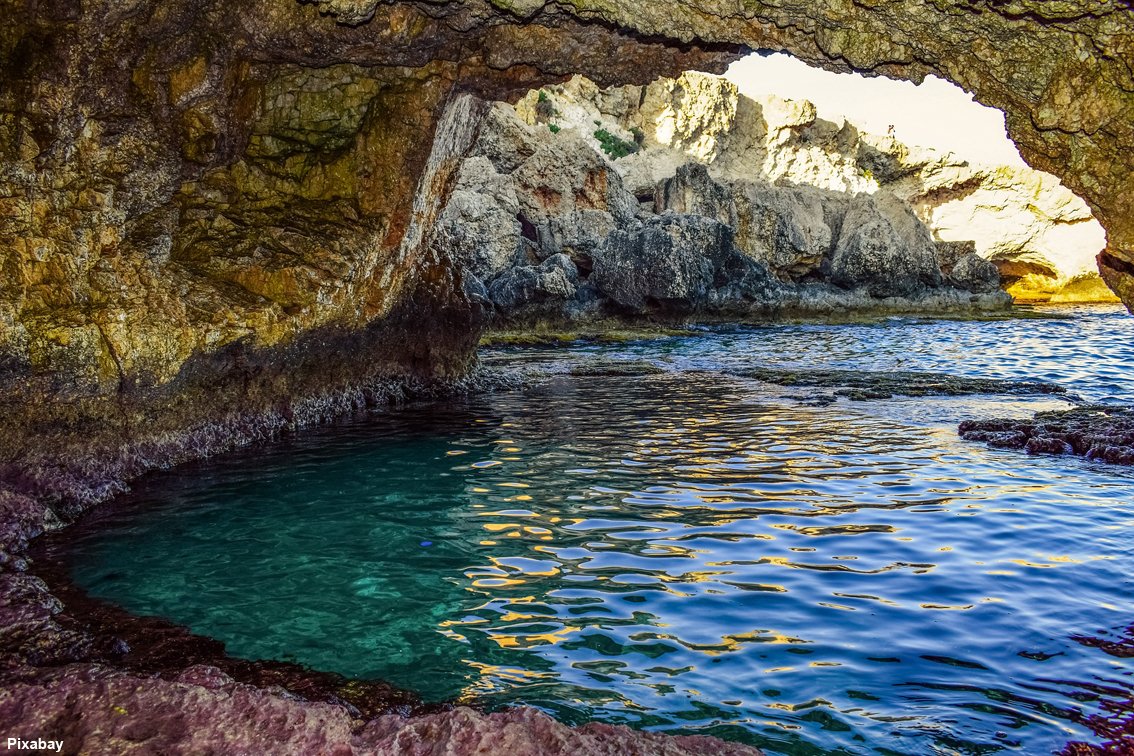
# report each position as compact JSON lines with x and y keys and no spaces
{"x":648,"y":516}
{"x":696,"y":550}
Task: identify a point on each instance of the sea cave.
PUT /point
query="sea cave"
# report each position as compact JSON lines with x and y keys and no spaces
{"x":521,"y":378}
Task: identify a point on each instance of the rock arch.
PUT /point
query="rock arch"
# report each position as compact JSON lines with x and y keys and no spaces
{"x":209,"y":206}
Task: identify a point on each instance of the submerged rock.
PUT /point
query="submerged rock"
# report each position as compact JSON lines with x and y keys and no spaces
{"x":863,"y":384}
{"x":1098,"y":432}
{"x":605,"y":367}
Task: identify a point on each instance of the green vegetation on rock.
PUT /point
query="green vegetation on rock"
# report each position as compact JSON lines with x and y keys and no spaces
{"x":615,"y":146}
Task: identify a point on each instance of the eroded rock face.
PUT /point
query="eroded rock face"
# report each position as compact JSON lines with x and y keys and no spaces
{"x":212,"y":213}
{"x":699,"y":243}
{"x":1042,"y":237}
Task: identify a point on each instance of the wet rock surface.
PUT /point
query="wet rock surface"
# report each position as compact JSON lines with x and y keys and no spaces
{"x":863,"y":385}
{"x":1096,"y":432}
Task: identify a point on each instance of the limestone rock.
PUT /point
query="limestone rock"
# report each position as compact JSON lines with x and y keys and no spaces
{"x":532,"y":290}
{"x":885,"y":248}
{"x":479,"y":226}
{"x":976,"y":274}
{"x":1015,"y":216}
{"x":663,"y":264}
{"x":783,"y":228}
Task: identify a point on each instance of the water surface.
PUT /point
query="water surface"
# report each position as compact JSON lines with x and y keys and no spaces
{"x":689,"y":551}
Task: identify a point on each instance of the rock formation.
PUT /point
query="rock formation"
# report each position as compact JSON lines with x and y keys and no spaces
{"x":218,"y":219}
{"x":684,"y":199}
{"x":1042,"y":237}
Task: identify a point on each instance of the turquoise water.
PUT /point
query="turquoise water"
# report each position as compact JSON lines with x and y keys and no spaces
{"x":689,"y":551}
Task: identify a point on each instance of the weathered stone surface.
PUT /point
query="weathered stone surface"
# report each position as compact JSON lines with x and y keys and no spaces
{"x":862,"y":384}
{"x":668,"y":265}
{"x":790,"y":249}
{"x":479,"y":227}
{"x":783,"y":228}
{"x":95,"y":710}
{"x":976,"y":274}
{"x":531,"y":291}
{"x":1100,"y":432}
{"x":884,"y":247}
{"x":1015,"y":216}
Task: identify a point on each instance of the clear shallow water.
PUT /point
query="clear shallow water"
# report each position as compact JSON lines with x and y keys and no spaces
{"x":688,"y":551}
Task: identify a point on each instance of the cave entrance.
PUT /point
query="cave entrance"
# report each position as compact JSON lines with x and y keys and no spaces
{"x":847,"y":192}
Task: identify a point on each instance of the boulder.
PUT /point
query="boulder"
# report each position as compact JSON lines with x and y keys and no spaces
{"x":528,"y":290}
{"x":785,"y":228}
{"x":692,"y":191}
{"x":949,"y":252}
{"x":973,"y":273}
{"x":664,"y":264}
{"x":884,"y":248}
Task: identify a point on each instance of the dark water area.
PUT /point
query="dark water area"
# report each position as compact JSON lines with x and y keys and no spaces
{"x":689,"y":551}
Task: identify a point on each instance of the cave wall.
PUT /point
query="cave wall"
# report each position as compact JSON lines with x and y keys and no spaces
{"x":210,"y":210}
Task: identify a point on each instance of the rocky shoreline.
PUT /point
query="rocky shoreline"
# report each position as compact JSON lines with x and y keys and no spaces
{"x":105,"y":681}
{"x":65,"y":655}
{"x":1103,"y":433}
{"x":551,"y":224}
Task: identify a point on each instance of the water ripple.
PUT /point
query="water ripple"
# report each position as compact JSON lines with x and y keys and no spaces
{"x":685,"y":551}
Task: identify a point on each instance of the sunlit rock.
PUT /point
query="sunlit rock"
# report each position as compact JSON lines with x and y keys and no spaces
{"x":1041,"y":236}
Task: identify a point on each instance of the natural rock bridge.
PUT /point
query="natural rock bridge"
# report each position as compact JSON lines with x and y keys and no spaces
{"x":195,"y":193}
{"x":216,"y":221}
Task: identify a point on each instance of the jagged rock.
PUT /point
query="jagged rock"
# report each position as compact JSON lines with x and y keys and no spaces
{"x":1014,"y":215}
{"x":479,"y":226}
{"x":663,"y":264}
{"x":974,"y":273}
{"x":885,"y":248}
{"x":692,"y":191}
{"x":534,"y":290}
{"x":949,"y":252}
{"x":797,"y":248}
{"x":783,"y":228}
{"x":505,"y":140}
{"x":1097,"y":432}
{"x":565,"y":175}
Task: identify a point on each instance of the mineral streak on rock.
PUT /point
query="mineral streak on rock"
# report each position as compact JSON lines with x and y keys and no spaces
{"x":1097,"y":432}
